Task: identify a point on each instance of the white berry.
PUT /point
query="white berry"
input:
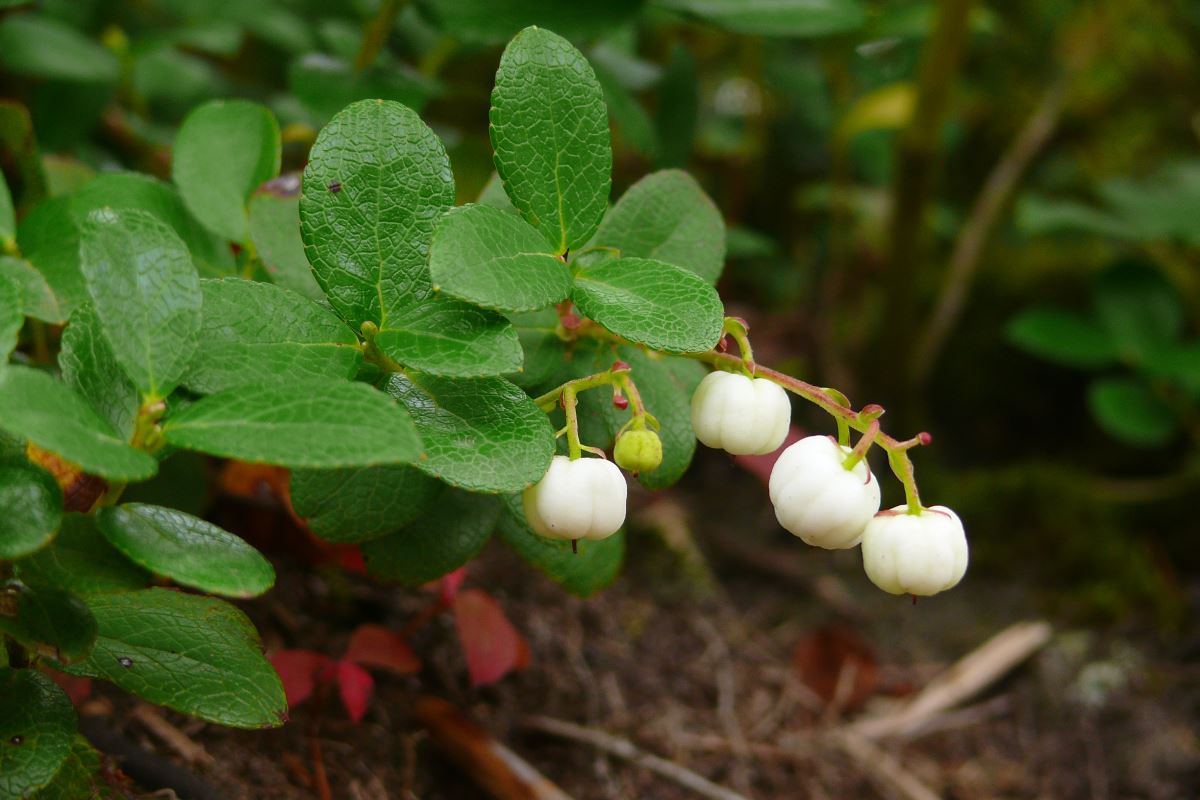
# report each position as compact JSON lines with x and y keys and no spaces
{"x":917,"y":554}
{"x":745,"y":416}
{"x":580,"y":499}
{"x":818,"y":499}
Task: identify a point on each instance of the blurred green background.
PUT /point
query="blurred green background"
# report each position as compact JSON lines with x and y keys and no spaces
{"x":984,"y":216}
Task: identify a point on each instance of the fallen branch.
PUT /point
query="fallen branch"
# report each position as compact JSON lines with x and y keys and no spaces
{"x":628,"y":751}
{"x":184,"y":746}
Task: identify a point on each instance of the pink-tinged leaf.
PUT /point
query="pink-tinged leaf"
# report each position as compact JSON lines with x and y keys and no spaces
{"x":492,"y":645}
{"x":376,"y":646}
{"x":355,"y":685}
{"x":78,"y":689}
{"x":450,"y":583}
{"x":761,"y":466}
{"x":298,"y":672}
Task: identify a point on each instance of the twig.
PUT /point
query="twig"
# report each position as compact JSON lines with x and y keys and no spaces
{"x":187,"y":749}
{"x":624,"y":749}
{"x":320,"y":778}
{"x":985,"y":212}
{"x":882,"y":767}
{"x":375,"y":35}
{"x":970,"y":675}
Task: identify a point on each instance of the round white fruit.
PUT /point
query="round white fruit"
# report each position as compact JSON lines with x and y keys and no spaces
{"x":580,"y":499}
{"x":745,"y":416}
{"x":817,"y":499}
{"x":917,"y":554}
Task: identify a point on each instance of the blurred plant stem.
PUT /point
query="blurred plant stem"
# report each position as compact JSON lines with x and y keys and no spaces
{"x":376,"y":33}
{"x":915,"y":162}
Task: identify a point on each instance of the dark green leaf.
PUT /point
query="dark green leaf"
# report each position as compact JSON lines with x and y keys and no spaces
{"x":186,"y":549}
{"x":799,"y":18}
{"x":197,"y":655}
{"x":254,"y":332}
{"x":1062,"y":336}
{"x":82,"y":560}
{"x":53,"y":623}
{"x":355,"y":505}
{"x":1178,"y":363}
{"x":312,"y":424}
{"x":678,"y":109}
{"x":543,"y":350}
{"x":90,"y":368}
{"x":326,"y":85}
{"x":449,"y":337}
{"x":549,"y":128}
{"x":448,"y":536}
{"x":275,"y":230}
{"x":493,"y":21}
{"x":377,"y":180}
{"x":47,"y":413}
{"x":8,"y":217}
{"x":37,"y":727}
{"x":483,"y":434}
{"x":630,"y":118}
{"x":1128,"y":410}
{"x":146,"y":295}
{"x":45,"y":48}
{"x":223,"y":151}
{"x":652,"y":303}
{"x":76,"y":778}
{"x":494,"y":259}
{"x":584,"y":573}
{"x":668,"y":217}
{"x":32,"y":507}
{"x":37,"y":299}
{"x":11,"y":318}
{"x":1036,"y":215}
{"x":1138,"y":309}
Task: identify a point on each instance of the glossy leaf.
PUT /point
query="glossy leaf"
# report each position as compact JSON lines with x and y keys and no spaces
{"x":549,"y":130}
{"x":794,"y":18}
{"x":1063,"y":337}
{"x":584,"y":573}
{"x":355,"y":687}
{"x":186,"y":549}
{"x":37,"y":729}
{"x":491,"y":258}
{"x":46,"y":412}
{"x":449,"y":535}
{"x":485,"y":434}
{"x":197,"y":655}
{"x":76,"y":778}
{"x":37,"y":298}
{"x":355,"y":505}
{"x":223,"y":151}
{"x":46,"y":48}
{"x":322,"y":424}
{"x":253,"y":332}
{"x":494,"y":21}
{"x":32,"y":507}
{"x":652,"y":303}
{"x":1138,"y":309}
{"x":448,"y":337}
{"x":82,"y":560}
{"x":326,"y":85}
{"x":11,"y":318}
{"x":377,"y":646}
{"x":52,"y":622}
{"x":146,"y":295}
{"x":1127,"y":409}
{"x":91,"y":369}
{"x":8,"y":216}
{"x":298,"y":671}
{"x":491,"y":644}
{"x":667,"y":216}
{"x":275,"y":231}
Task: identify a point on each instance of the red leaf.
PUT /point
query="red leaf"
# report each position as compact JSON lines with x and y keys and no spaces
{"x":376,"y":646}
{"x":78,"y":689}
{"x":492,"y":645}
{"x":350,"y":557}
{"x":450,"y":583}
{"x":355,"y":685}
{"x":834,"y":655}
{"x":761,"y":466}
{"x":298,"y":672}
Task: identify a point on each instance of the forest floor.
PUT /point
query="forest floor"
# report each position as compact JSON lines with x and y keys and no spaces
{"x":759,"y":665}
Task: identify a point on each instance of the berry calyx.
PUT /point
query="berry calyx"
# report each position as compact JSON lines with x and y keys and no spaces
{"x":918,"y":554}
{"x":577,"y":499}
{"x":739,"y":414}
{"x":817,"y":499}
{"x":638,"y":450}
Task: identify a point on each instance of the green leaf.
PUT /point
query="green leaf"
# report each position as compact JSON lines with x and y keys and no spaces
{"x":1128,"y":410}
{"x":11,"y":318}
{"x":51,"y":622}
{"x":197,"y":655}
{"x":82,"y":560}
{"x":1138,"y":309}
{"x":549,"y":128}
{"x":667,"y":216}
{"x":485,"y":435}
{"x":146,"y":294}
{"x":356,"y":505}
{"x":1037,"y":215}
{"x":493,"y":195}
{"x":449,"y":337}
{"x":793,"y":18}
{"x":37,"y":298}
{"x":442,"y":540}
{"x":326,"y":85}
{"x":37,"y":728}
{"x":32,"y":506}
{"x":678,"y":109}
{"x":254,"y":332}
{"x":8,"y":217}
{"x":1063,"y":337}
{"x":275,"y":231}
{"x":491,"y":258}
{"x":76,"y":778}
{"x":223,"y":151}
{"x":90,"y":368}
{"x":376,"y":182}
{"x":628,"y":115}
{"x":321,"y":424}
{"x":543,"y":350}
{"x":584,"y":573}
{"x":47,"y":413}
{"x":1178,"y":363}
{"x":494,"y":21}
{"x":651,"y":303}
{"x":186,"y":549}
{"x":45,"y":48}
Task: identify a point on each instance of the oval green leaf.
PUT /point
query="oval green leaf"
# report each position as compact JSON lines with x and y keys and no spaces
{"x":37,"y":726}
{"x":356,"y":505}
{"x":82,"y":560}
{"x":32,"y":507}
{"x":448,"y":536}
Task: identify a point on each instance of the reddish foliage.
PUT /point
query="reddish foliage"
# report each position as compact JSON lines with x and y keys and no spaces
{"x":490,"y":642}
{"x":828,"y":653}
{"x":355,"y":686}
{"x":78,"y":689}
{"x":761,"y":466}
{"x":298,"y":671}
{"x":376,"y":646}
{"x":449,"y":584}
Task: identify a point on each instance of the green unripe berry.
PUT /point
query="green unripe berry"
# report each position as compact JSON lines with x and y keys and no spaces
{"x":638,"y":450}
